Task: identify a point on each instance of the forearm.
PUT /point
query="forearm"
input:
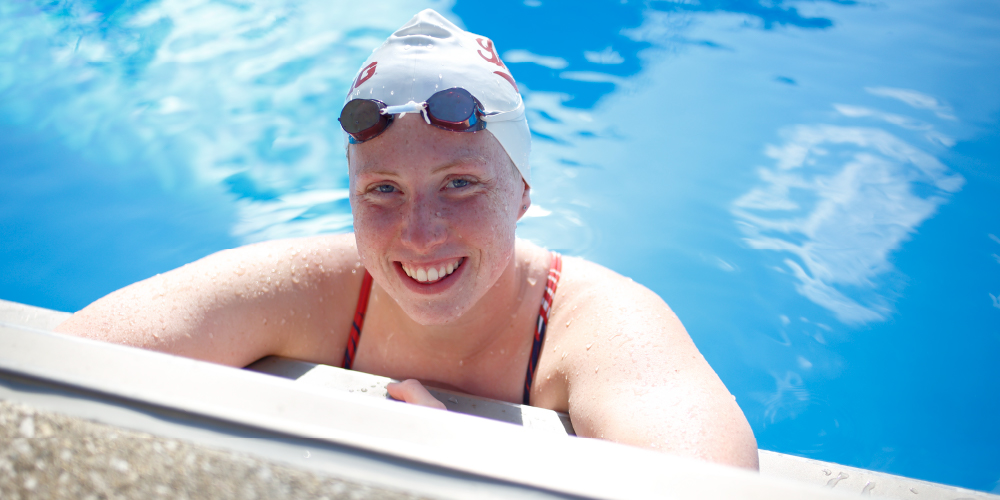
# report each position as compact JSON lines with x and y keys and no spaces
{"x":699,"y":424}
{"x":148,"y":316}
{"x":190,"y":311}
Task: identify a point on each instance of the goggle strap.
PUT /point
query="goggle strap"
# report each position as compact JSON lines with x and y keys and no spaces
{"x":410,"y":107}
{"x":506,"y":116}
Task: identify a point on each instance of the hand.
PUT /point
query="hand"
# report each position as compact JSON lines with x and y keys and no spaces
{"x":413,"y":392}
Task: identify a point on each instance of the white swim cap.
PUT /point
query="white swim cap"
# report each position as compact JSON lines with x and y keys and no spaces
{"x":429,"y":54}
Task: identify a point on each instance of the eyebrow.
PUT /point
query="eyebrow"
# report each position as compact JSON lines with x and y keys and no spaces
{"x":450,"y":165}
{"x":463,"y":160}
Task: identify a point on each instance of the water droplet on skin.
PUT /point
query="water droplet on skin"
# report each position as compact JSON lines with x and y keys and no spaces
{"x":568,"y":322}
{"x":596,"y":368}
{"x":453,"y":399}
{"x":827,"y":472}
{"x":354,"y":271}
{"x":564,"y":356}
{"x":913,"y":491}
{"x":588,"y":346}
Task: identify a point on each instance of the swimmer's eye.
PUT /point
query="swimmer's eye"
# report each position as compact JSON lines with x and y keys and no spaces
{"x":459,"y":183}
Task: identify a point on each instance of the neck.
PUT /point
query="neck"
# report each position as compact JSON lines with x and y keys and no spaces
{"x":492,"y":324}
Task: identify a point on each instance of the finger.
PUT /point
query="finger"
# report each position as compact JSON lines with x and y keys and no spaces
{"x":413,"y":392}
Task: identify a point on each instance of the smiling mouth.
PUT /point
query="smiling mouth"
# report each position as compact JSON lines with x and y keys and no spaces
{"x":431,"y":274}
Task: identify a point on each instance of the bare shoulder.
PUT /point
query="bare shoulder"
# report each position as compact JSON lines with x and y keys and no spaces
{"x":234,"y":306}
{"x":603,"y":320}
{"x":605,"y":305}
{"x":629,"y":371}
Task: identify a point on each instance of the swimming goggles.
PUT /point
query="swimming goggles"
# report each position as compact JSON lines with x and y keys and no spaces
{"x":453,"y":109}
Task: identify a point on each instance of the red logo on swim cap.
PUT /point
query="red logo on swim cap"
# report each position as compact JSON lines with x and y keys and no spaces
{"x":366,"y":73}
{"x":509,"y":79}
{"x":487,"y":44}
{"x":493,"y":57}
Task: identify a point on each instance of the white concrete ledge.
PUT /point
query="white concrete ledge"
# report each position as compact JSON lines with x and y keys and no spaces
{"x":338,"y":379}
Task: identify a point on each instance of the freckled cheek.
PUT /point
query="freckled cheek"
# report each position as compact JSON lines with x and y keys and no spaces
{"x":485,"y":228}
{"x":374,"y":228}
{"x":477,"y":219}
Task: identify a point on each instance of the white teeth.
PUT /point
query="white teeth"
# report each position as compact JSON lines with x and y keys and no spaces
{"x":433,"y":274}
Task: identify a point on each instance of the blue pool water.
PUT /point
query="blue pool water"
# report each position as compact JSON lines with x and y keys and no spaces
{"x":811,"y":185}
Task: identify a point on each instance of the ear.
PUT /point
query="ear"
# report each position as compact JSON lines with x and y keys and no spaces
{"x":525,"y":200}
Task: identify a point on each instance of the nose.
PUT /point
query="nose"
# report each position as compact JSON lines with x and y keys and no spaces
{"x":423,"y":227}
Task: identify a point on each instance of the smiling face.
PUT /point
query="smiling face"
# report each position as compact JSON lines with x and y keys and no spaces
{"x":434,"y":215}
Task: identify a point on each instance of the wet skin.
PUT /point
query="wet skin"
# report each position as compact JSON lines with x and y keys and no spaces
{"x":615,"y":356}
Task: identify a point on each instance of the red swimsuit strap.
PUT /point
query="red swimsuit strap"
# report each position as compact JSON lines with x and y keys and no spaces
{"x":359,"y":321}
{"x":555,"y":271}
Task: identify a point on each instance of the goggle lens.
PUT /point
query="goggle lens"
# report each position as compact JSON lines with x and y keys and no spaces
{"x":362,"y":118}
{"x":452,"y":109}
{"x":452,"y":106}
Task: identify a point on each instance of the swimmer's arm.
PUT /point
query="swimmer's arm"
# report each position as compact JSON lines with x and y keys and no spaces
{"x":236,"y":306}
{"x":635,"y":377}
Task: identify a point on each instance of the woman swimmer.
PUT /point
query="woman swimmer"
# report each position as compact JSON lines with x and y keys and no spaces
{"x":433,"y":287}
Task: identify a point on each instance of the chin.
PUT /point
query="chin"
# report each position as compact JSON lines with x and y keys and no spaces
{"x":434,"y":315}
